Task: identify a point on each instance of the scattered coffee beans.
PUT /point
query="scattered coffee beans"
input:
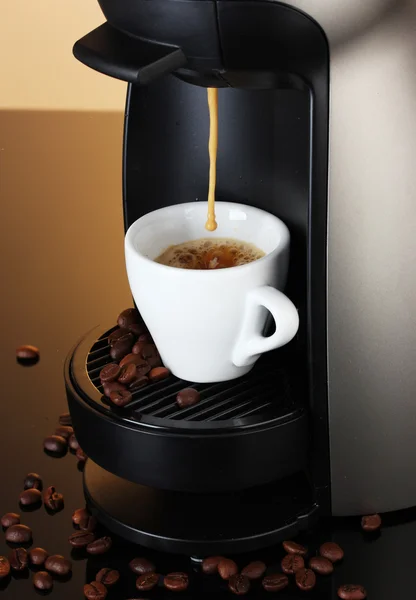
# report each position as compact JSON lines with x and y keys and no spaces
{"x":95,"y":591}
{"x":331,"y":551}
{"x":81,"y":539}
{"x":292,"y":563}
{"x":55,"y":443}
{"x":42,"y":581}
{"x":80,"y":514}
{"x":122,"y":347}
{"x":141,"y":566}
{"x":33,"y":481}
{"x":158,"y":374}
{"x":10,"y":519}
{"x":128,"y":317}
{"x":81,"y":456}
{"x":115,"y":335}
{"x":305,"y":579}
{"x":371,"y":522}
{"x":321,"y":565}
{"x":19,"y":534}
{"x":52,"y":499}
{"x":73,"y":442}
{"x":275,"y":583}
{"x":227,"y":568}
{"x":37,"y":556}
{"x":294,"y":548}
{"x":4,"y":567}
{"x":30,"y":497}
{"x":18,"y":559}
{"x":138,"y":347}
{"x":187,"y":397}
{"x":239,"y":584}
{"x":58,"y":564}
{"x":65,"y":419}
{"x":254,"y":570}
{"x":176,"y":582}
{"x":139,"y":382}
{"x":145,"y":337}
{"x":107,"y":576}
{"x":352,"y":592}
{"x":113,"y":386}
{"x":137,"y":328}
{"x":88,"y":524}
{"x":64,"y":431}
{"x":142,"y":366}
{"x":121,"y":398}
{"x":128,"y":374}
{"x":100,"y":546}
{"x":27,"y":353}
{"x":210,"y":564}
{"x":147,"y":582}
{"x":109,"y":373}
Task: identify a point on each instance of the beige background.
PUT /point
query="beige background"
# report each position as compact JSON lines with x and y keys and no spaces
{"x":37,"y":69}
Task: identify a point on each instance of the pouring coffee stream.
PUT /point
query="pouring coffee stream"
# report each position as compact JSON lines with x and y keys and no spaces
{"x":211,"y":224}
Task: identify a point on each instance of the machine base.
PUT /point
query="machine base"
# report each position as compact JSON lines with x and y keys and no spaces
{"x":199,"y":525}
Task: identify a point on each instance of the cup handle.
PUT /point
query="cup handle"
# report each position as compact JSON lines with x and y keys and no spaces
{"x":251,"y":343}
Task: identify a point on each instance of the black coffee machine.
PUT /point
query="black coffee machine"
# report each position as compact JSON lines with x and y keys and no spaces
{"x":262,"y":457}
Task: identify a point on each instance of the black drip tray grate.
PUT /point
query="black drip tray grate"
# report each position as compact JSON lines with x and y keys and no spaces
{"x":264,"y":393}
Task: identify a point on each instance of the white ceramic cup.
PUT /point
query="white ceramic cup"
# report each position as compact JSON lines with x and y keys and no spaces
{"x":208,"y":325}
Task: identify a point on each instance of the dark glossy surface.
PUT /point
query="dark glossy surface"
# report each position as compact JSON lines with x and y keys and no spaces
{"x":61,"y":233}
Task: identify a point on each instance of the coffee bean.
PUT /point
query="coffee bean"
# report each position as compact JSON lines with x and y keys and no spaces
{"x":52,"y":499}
{"x":42,"y":581}
{"x":113,"y":386}
{"x":138,"y":347}
{"x":154,"y":361}
{"x":158,"y":374}
{"x":226,"y":568}
{"x":81,"y":456}
{"x":294,"y":548}
{"x":58,"y":564}
{"x":371,"y":522}
{"x":33,"y":481}
{"x":10,"y":519}
{"x":275,"y":582}
{"x":121,"y":398}
{"x":187,"y":397}
{"x":128,"y":374}
{"x":122,"y":347}
{"x":81,"y":539}
{"x":239,"y":584}
{"x":109,"y":373}
{"x":137,"y":328}
{"x":19,"y":534}
{"x":321,"y":565}
{"x":73,"y":442}
{"x":176,"y":582}
{"x":292,"y":563}
{"x":4,"y":567}
{"x":64,"y":431}
{"x":139,"y":382}
{"x":55,"y":443}
{"x":145,"y":337}
{"x":100,"y":546}
{"x":147,"y":582}
{"x":65,"y":419}
{"x":254,"y":570}
{"x":141,"y":566}
{"x":27,"y":352}
{"x":331,"y":551}
{"x":95,"y":591}
{"x":305,"y":579}
{"x":107,"y":576}
{"x":352,"y":592}
{"x":116,"y":334}
{"x":37,"y":556}
{"x":149,"y":351}
{"x":80,"y":514}
{"x":18,"y":559}
{"x":127,"y":317}
{"x":30,"y":497}
{"x":88,"y":524}
{"x":142,"y":366}
{"x":210,"y":564}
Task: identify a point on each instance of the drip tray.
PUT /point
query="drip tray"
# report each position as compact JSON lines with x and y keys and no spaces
{"x":246,"y":432}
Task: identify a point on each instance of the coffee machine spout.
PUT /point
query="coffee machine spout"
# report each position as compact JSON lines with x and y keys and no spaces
{"x":107,"y":50}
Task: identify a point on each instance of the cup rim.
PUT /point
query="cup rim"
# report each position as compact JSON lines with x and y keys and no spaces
{"x":131,"y":234}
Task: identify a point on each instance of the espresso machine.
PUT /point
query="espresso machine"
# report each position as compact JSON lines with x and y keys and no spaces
{"x":317,"y":125}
